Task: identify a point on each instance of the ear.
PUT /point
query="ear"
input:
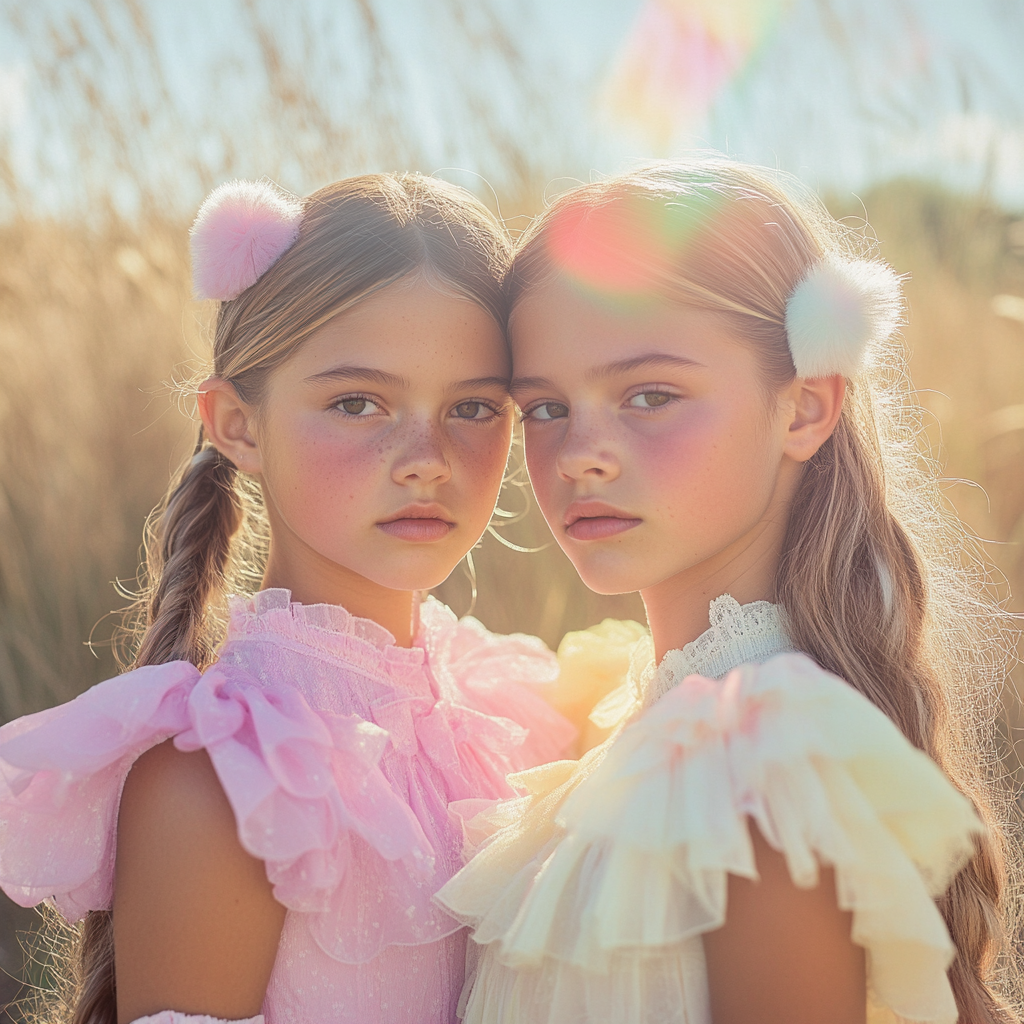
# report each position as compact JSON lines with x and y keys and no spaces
{"x":816,"y":405}
{"x":227,"y":422}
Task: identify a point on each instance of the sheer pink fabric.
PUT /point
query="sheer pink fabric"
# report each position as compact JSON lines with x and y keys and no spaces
{"x":339,"y":753}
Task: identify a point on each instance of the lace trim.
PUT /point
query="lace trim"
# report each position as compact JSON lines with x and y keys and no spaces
{"x":738,"y":635}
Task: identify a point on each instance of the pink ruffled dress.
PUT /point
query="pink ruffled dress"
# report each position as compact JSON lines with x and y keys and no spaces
{"x":339,"y":753}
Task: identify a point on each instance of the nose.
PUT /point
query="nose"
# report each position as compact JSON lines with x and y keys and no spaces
{"x":586,"y":453}
{"x":422,"y":458}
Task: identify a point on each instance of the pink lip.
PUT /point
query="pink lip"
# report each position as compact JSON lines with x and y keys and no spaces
{"x":418,"y":523}
{"x":594,"y":520}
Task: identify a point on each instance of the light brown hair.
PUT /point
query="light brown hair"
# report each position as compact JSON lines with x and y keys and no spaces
{"x":356,"y":237}
{"x":878,"y":578}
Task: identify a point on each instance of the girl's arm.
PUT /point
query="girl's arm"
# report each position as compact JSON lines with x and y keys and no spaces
{"x":784,"y":955}
{"x":196,"y":926}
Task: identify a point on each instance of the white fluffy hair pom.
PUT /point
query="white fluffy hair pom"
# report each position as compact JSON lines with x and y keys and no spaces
{"x":838,"y":311}
{"x":242,"y":229}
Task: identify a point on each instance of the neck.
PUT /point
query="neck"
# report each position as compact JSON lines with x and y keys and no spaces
{"x":677,"y":608}
{"x":313,"y":580}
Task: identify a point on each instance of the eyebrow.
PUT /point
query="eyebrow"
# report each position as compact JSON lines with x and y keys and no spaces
{"x":640,"y":363}
{"x":650,"y":359}
{"x":521,"y":384}
{"x":501,"y":383}
{"x":352,"y":374}
{"x":341,"y":374}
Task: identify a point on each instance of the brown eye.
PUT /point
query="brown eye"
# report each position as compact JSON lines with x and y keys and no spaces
{"x":649,"y":400}
{"x":548,"y":411}
{"x":471,"y":410}
{"x":357,"y":405}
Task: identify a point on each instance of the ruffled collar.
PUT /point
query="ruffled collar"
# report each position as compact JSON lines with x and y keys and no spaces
{"x":330,"y":631}
{"x":274,"y":610}
{"x":738,"y":635}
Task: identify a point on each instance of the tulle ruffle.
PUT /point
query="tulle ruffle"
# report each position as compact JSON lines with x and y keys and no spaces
{"x":61,"y":773}
{"x":509,"y":676}
{"x":594,"y":675}
{"x":612,"y":869}
{"x":308,"y":795}
{"x":311,"y":801}
{"x":327,"y":631}
{"x":456,"y":662}
{"x":617,"y":654}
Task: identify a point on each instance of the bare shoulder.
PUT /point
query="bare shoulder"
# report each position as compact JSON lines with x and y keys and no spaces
{"x":165,"y":783}
{"x":196,"y":925}
{"x":785,"y":955}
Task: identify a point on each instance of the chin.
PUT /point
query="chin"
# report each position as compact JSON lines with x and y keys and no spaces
{"x":409,"y":580}
{"x":609,"y":580}
{"x":406,"y":576}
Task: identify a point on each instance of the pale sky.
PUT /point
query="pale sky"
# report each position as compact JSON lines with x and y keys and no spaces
{"x":844,"y":93}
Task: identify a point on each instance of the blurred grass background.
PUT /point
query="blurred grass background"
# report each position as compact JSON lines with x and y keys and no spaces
{"x":96,"y":318}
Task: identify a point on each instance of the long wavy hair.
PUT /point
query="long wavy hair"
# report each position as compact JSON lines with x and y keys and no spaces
{"x":880,"y":581}
{"x":209,"y":534}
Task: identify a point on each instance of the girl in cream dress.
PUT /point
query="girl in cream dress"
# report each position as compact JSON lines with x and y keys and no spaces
{"x":789,"y":820}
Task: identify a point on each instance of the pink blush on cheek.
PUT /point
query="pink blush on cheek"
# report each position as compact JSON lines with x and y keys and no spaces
{"x":327,"y":486}
{"x":323,"y":464}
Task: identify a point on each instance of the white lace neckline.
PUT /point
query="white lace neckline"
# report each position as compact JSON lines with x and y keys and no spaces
{"x":739,"y":634}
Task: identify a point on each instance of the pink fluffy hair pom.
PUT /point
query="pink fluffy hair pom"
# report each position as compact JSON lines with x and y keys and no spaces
{"x":242,"y":229}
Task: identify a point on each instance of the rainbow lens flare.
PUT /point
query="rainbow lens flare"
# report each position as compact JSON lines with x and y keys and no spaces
{"x":626,"y":251}
{"x":679,"y":57}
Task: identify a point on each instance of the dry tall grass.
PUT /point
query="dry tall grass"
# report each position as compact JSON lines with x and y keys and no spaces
{"x":90,"y":325}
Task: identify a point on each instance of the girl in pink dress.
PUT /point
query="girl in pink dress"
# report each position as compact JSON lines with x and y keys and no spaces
{"x":252,"y":822}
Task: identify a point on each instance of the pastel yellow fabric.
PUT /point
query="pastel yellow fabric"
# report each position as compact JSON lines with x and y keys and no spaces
{"x":593,"y":664}
{"x":591,"y":893}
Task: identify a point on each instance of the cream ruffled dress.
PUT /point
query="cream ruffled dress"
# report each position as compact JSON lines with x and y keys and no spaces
{"x":588,"y":896}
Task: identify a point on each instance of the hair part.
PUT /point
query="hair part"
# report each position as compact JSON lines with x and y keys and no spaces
{"x":880,"y":581}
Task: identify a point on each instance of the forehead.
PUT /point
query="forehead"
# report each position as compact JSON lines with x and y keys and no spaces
{"x":557,"y":324}
{"x":411,"y":326}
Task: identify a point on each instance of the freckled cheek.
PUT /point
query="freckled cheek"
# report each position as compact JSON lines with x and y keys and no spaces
{"x":478,"y":463}
{"x":541,"y":448}
{"x":316,"y":467}
{"x":679,"y":467}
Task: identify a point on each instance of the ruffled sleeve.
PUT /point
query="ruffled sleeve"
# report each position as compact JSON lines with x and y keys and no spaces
{"x":627,"y":857}
{"x":308,"y":796}
{"x":312,"y":803}
{"x":61,"y":773}
{"x":509,"y":676}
